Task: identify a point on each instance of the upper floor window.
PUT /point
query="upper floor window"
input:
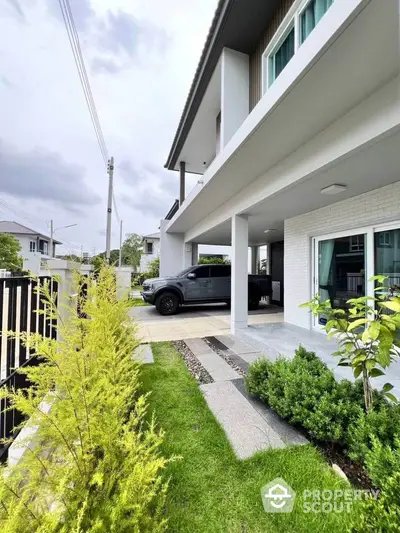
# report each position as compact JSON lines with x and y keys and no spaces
{"x":149,"y":247}
{"x":32,"y":246}
{"x":301,"y":19}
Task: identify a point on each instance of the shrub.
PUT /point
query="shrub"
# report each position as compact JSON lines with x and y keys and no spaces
{"x":305,"y":392}
{"x":382,"y":460}
{"x":213,"y":261}
{"x":381,"y":515}
{"x":96,"y":466}
{"x":381,"y":423}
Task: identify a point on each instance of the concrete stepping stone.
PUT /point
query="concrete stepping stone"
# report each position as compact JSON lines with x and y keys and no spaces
{"x":218,"y":369}
{"x":144,"y":354}
{"x":285,"y":431}
{"x":247,"y":431}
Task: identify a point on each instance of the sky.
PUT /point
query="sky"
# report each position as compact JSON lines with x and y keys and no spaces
{"x":141,"y":56}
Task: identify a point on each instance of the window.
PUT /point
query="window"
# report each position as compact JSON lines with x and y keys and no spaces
{"x":45,"y":247}
{"x":384,"y":238}
{"x":149,"y":247}
{"x":220,"y":271}
{"x":311,"y":15}
{"x":202,"y":272}
{"x":279,"y":59}
{"x":299,"y":22}
{"x":32,"y":246}
{"x":356,"y":243}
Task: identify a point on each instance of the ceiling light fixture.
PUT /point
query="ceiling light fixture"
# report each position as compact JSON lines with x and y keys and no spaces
{"x":268,"y":230}
{"x":334,"y":189}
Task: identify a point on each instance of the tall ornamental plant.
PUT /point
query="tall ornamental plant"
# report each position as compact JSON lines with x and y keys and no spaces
{"x":366,"y":332}
{"x":94,"y":464}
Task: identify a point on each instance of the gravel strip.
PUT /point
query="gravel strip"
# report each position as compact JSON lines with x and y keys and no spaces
{"x":226,"y":356}
{"x":194,"y":366}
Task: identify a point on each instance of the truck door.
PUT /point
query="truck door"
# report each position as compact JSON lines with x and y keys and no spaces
{"x":221,"y":282}
{"x":199,"y":288}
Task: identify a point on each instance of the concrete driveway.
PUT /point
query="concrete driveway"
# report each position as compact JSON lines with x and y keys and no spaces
{"x":195,"y":321}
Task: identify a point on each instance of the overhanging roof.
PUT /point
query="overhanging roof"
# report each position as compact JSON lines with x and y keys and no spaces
{"x":237,"y":24}
{"x":9,"y":226}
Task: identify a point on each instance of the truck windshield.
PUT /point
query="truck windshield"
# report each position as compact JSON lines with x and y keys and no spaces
{"x":184,"y":272}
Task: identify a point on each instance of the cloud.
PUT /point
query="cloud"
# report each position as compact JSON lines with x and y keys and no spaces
{"x":44,"y":175}
{"x":15,"y":5}
{"x":5,"y":81}
{"x":82,"y":12}
{"x":103,"y":64}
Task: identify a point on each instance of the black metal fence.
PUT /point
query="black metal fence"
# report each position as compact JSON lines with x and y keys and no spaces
{"x":20,"y":302}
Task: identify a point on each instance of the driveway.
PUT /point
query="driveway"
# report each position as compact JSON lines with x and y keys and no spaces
{"x":195,"y":321}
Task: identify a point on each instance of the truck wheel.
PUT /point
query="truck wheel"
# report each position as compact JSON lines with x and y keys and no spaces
{"x":253,"y":303}
{"x":167,"y":303}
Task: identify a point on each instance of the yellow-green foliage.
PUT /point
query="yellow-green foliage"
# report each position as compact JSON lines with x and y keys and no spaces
{"x":96,"y":466}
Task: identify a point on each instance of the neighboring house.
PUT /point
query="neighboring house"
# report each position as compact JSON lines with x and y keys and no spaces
{"x":34,"y":245}
{"x":293,"y":123}
{"x":151,"y":250}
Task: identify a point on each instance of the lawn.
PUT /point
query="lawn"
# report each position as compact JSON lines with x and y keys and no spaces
{"x":137,"y":287}
{"x":211,"y":491}
{"x":137,"y":302}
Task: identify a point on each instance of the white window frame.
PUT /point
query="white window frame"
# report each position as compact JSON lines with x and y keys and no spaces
{"x":292,"y":19}
{"x":369,"y":251}
{"x":32,"y":246}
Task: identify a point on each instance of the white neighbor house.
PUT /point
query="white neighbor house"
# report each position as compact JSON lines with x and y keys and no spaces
{"x":293,"y":120}
{"x":34,"y":245}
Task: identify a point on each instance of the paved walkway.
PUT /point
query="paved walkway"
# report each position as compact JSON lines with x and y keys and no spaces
{"x":194,"y":322}
{"x":249,"y":425}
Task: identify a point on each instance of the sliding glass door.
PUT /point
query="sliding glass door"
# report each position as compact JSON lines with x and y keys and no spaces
{"x":344,"y":262}
{"x":340,"y":270}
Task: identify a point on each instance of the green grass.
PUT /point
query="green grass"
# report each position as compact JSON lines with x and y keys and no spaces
{"x":211,"y":491}
{"x":137,"y":302}
{"x":137,"y":287}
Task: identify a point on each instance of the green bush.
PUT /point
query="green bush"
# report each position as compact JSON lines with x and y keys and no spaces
{"x":305,"y":392}
{"x":213,"y":261}
{"x":96,"y":466}
{"x":382,"y":461}
{"x":381,"y":423}
{"x":381,"y":515}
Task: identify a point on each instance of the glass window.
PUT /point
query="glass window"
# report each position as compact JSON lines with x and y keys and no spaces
{"x":149,"y":247}
{"x":387,"y":257}
{"x":311,"y":15}
{"x":282,"y":56}
{"x":32,"y":246}
{"x":202,"y":272}
{"x":220,"y":271}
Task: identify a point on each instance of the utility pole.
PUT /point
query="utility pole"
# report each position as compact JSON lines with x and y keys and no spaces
{"x":120,"y":245}
{"x":110,"y":169}
{"x":51,"y":239}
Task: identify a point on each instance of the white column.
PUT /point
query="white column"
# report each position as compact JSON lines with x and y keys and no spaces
{"x":173,"y":254}
{"x":123,"y":278}
{"x":195,"y":253}
{"x":239,"y":288}
{"x":255,"y":259}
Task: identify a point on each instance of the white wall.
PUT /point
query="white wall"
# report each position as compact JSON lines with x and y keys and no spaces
{"x":234,"y":93}
{"x":175,"y":254}
{"x":145,"y":259}
{"x":31,"y":259}
{"x":377,"y":206}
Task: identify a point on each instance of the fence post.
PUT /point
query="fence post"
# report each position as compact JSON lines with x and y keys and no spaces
{"x":123,"y":280}
{"x":64,"y":271}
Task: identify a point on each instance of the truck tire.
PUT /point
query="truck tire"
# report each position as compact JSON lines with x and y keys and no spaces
{"x":167,"y":303}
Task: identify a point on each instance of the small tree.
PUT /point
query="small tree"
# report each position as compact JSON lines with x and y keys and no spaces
{"x":9,"y":253}
{"x":132,"y":250}
{"x":366,"y":334}
{"x":213,"y":261}
{"x":153,"y":269}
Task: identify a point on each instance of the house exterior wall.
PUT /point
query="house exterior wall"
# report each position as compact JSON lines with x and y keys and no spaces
{"x":375,"y":207}
{"x":145,"y":258}
{"x":255,"y":63}
{"x":31,"y":259}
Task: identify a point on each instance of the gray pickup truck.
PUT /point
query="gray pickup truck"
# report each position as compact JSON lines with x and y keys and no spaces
{"x":200,"y":284}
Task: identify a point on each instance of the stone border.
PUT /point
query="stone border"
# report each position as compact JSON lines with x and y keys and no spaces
{"x":194,"y":366}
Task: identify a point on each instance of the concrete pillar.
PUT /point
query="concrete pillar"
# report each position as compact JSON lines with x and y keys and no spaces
{"x":172,"y":251}
{"x":239,"y":287}
{"x":123,"y":277}
{"x":255,"y":259}
{"x":195,"y":253}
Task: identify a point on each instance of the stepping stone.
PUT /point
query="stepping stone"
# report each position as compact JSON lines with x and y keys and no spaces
{"x":233,"y":343}
{"x":285,"y":431}
{"x":218,"y":369}
{"x":144,"y":354}
{"x":247,"y":431}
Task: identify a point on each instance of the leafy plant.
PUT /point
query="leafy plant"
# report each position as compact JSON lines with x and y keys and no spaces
{"x":153,"y":269}
{"x":305,"y":392}
{"x":366,"y":334}
{"x":9,"y":253}
{"x":213,"y":261}
{"x":95,"y":465}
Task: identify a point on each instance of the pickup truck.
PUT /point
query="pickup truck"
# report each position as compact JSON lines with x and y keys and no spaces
{"x":200,"y":284}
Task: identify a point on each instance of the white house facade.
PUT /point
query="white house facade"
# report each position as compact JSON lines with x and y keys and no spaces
{"x":293,"y":123}
{"x":35,"y":247}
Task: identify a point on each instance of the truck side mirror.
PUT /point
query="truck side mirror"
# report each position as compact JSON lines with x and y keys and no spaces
{"x":191,"y":275}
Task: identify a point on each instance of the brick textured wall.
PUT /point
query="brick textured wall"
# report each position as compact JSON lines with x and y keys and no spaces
{"x":375,"y":207}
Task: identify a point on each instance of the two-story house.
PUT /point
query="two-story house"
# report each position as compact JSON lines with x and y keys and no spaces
{"x":293,"y":123}
{"x":34,"y":245}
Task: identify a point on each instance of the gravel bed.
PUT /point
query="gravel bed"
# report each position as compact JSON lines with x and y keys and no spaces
{"x":225,"y":354}
{"x":194,"y":366}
